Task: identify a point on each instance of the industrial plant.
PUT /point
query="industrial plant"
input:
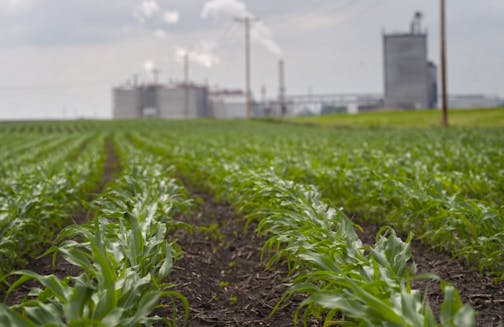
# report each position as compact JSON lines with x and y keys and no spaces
{"x":161,"y":101}
{"x":189,"y":100}
{"x":410,"y":79}
{"x":410,"y":82}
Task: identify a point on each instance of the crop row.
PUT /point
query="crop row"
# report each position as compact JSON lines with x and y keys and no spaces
{"x":38,"y":128}
{"x":287,"y":180}
{"x":363,"y":284}
{"x":122,"y":253}
{"x":35,"y":204}
{"x":446,"y":187}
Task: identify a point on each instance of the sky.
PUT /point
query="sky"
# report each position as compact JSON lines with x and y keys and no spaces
{"x":61,"y":58}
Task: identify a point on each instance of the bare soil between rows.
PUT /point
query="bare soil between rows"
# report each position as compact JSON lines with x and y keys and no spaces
{"x":479,"y":290}
{"x":110,"y":170}
{"x":222,"y":274}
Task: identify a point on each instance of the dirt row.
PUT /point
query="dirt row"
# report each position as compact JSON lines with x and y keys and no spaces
{"x":110,"y":171}
{"x":222,"y":273}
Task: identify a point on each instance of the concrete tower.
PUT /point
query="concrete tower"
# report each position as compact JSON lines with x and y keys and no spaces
{"x":408,"y":74}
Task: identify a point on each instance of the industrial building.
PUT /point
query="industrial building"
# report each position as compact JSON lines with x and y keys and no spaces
{"x":229,"y":104}
{"x":468,"y":101}
{"x":161,"y":101}
{"x":410,"y":79}
{"x":189,"y":100}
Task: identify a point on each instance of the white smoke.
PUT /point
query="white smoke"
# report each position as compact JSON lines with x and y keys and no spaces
{"x":149,"y":66}
{"x":263,"y":35}
{"x":230,"y":9}
{"x":202,"y":55}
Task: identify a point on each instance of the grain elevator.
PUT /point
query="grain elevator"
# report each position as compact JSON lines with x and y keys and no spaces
{"x":410,"y":79}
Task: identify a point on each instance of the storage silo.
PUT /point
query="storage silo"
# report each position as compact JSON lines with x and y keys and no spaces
{"x":408,"y":83}
{"x":126,"y":101}
{"x":184,"y":101}
{"x":161,"y":101}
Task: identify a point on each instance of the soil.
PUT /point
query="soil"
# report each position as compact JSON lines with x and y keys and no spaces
{"x":111,"y":168}
{"x":479,"y":290}
{"x":222,"y":274}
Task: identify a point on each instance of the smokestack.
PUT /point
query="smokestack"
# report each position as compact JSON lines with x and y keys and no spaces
{"x":186,"y":68}
{"x":281,"y":87}
{"x":155,"y":74}
{"x":186,"y":84}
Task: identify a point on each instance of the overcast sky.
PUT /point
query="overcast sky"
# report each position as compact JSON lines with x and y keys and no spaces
{"x":60,"y":58}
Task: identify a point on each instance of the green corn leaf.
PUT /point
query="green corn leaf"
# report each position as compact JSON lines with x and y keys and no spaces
{"x":78,"y":302}
{"x":9,"y":317}
{"x":144,"y":307}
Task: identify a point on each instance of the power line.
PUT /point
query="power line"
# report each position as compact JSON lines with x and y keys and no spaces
{"x":328,"y":10}
{"x":315,"y":7}
{"x":344,"y":6}
{"x":229,"y":29}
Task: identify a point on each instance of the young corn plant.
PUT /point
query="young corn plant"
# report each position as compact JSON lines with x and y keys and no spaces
{"x":449,"y":194}
{"x":36,"y":206}
{"x":365,"y":286}
{"x":332,"y":267}
{"x":123,"y":254}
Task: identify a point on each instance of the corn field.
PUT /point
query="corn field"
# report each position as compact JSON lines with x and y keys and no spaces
{"x":104,"y":207}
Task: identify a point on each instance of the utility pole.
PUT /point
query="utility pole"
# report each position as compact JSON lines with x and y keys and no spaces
{"x":186,"y":84}
{"x":444,"y":100}
{"x":248,"y":95}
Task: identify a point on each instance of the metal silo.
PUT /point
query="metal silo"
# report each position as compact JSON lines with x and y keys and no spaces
{"x":408,"y":81}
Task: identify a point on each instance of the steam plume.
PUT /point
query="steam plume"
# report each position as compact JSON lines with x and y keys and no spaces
{"x":230,"y":9}
{"x":202,"y":55}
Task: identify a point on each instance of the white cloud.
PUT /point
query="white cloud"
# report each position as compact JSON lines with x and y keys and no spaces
{"x":152,"y":16}
{"x":171,"y":16}
{"x":146,"y":10}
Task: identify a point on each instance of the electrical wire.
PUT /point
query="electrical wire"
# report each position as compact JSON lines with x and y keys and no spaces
{"x":327,"y":10}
